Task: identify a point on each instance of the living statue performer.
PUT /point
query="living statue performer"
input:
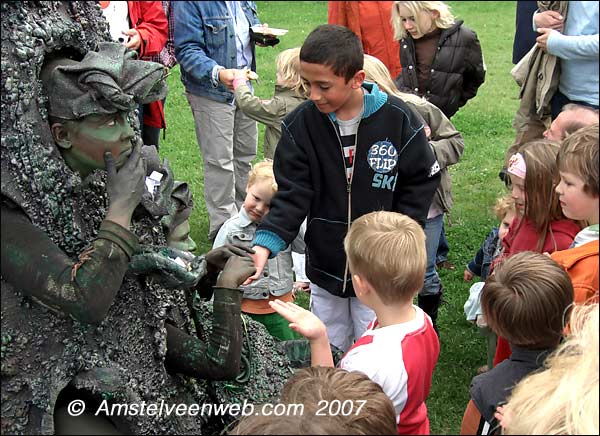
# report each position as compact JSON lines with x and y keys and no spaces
{"x":95,"y":307}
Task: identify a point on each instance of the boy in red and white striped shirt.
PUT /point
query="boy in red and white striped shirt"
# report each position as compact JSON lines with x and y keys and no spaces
{"x":399,"y":350}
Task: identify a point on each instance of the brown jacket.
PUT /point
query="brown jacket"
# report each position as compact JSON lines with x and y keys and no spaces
{"x":447,"y":143}
{"x":538,"y":75}
{"x":269,"y":112}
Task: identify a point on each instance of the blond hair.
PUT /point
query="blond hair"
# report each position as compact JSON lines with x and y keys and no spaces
{"x":578,"y":154}
{"x":262,"y":172}
{"x":288,"y":69}
{"x":525,"y":300}
{"x":316,"y":385}
{"x":504,"y":205}
{"x":377,"y":72}
{"x":563,"y":398}
{"x":388,"y":250}
{"x":445,"y":19}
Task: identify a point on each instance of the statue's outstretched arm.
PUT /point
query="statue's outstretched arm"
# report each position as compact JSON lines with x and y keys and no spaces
{"x":83,"y":289}
{"x":218,"y":359}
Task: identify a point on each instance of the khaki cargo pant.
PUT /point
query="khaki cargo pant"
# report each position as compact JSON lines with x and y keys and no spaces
{"x":227,"y":139}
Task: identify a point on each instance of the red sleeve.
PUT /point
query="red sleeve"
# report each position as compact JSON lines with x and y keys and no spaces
{"x":471,"y":419}
{"x":336,"y":13}
{"x":563,"y":241}
{"x":149,"y":19}
{"x":503,"y":350}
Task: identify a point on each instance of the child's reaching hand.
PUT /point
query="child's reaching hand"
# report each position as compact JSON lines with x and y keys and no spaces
{"x":301,"y":320}
{"x":468,"y":275}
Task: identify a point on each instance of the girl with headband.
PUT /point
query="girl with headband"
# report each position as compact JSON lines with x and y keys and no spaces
{"x":540,"y":224}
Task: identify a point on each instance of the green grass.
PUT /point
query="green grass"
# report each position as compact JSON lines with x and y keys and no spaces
{"x":485,"y":123}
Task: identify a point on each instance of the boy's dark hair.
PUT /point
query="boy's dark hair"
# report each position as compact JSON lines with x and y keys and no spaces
{"x":336,"y":47}
{"x":525,"y":300}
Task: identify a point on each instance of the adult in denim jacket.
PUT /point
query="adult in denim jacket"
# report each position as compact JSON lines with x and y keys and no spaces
{"x":212,"y":39}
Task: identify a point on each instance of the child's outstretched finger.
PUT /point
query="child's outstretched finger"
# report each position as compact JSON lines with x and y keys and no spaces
{"x":282,"y":308}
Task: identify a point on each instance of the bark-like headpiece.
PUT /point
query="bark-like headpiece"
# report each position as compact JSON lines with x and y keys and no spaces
{"x":103,"y":82}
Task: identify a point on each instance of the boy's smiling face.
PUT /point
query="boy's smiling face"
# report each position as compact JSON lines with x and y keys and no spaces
{"x":330,"y":92}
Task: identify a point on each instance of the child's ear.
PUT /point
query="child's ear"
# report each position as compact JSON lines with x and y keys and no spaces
{"x":435,"y":14}
{"x":61,"y":135}
{"x":358,"y":79}
{"x":361,"y":285}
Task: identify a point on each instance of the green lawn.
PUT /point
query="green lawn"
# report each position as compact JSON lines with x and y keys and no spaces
{"x":485,"y":123}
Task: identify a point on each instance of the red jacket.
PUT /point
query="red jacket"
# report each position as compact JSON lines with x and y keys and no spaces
{"x":148,"y":18}
{"x":370,"y":20}
{"x":526,"y":239}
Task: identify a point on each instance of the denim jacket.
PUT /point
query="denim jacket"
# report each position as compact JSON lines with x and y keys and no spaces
{"x":480,"y":265}
{"x":278,"y":275}
{"x":205,"y":37}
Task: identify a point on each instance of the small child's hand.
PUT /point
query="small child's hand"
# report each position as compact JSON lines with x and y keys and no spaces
{"x":503,"y":416}
{"x":427,"y":131}
{"x":301,"y":320}
{"x":300,"y":287}
{"x":468,"y":275}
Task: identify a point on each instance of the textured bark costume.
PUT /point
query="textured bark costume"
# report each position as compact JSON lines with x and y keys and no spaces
{"x":122,"y":358}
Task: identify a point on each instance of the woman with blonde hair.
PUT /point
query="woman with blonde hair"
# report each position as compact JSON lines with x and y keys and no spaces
{"x":563,"y":398}
{"x":448,"y":146}
{"x":289,"y":93}
{"x":441,"y":58}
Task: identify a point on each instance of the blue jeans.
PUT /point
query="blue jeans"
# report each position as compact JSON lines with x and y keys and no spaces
{"x":433,"y":231}
{"x":443,"y":248}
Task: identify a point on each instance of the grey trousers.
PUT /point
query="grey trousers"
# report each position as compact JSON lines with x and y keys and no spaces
{"x":227,"y":140}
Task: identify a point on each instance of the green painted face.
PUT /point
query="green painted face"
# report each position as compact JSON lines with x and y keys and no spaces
{"x":90,"y":137}
{"x":180,"y":237}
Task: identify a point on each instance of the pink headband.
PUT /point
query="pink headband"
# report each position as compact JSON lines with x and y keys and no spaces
{"x":516,"y":165}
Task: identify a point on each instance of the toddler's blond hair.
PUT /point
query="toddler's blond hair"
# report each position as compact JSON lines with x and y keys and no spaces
{"x":288,"y":68}
{"x":504,"y":205}
{"x":262,"y":172}
{"x":388,"y":250}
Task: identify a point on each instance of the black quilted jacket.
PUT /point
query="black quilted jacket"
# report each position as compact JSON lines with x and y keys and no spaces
{"x":457,"y":70}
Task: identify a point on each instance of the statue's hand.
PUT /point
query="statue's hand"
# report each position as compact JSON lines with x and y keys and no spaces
{"x":218,"y":257}
{"x":168,"y":266}
{"x":124,"y":186}
{"x":236,"y":271}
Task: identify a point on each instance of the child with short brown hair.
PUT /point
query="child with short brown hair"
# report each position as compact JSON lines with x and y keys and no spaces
{"x":578,"y":193}
{"x":399,"y":350}
{"x":372,"y":410}
{"x":563,"y":398}
{"x":525,"y":301}
{"x":319,"y":391}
